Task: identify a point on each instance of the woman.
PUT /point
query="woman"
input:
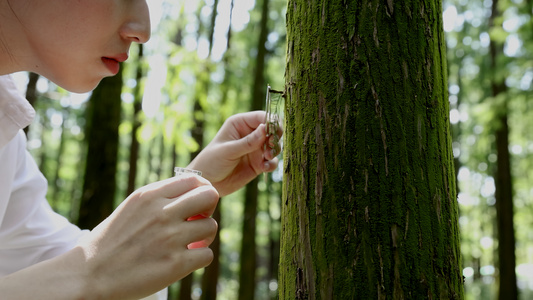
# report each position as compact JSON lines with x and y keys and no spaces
{"x":150,"y":241}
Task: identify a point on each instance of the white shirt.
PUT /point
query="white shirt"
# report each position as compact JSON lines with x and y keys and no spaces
{"x":30,"y":231}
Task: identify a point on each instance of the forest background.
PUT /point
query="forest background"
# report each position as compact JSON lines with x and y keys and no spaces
{"x":210,"y":59}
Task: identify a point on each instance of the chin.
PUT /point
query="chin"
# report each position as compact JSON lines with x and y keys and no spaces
{"x":83,"y":89}
{"x":79,"y":86}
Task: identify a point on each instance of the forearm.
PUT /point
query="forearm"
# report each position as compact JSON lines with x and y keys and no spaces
{"x":62,"y":277}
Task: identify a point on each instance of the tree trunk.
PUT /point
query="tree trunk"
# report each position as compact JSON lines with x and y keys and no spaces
{"x":248,"y":259}
{"x":43,"y":157}
{"x":59,"y":154}
{"x":369,"y":204}
{"x":136,"y":123}
{"x":99,"y":185}
{"x":198,"y":114}
{"x":186,"y":287}
{"x":508,"y":289}
{"x":504,"y":214}
{"x":248,"y":245}
{"x":210,"y":278}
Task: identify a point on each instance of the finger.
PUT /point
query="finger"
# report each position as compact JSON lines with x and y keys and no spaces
{"x":199,"y":201}
{"x":204,"y":242}
{"x":271,"y":165}
{"x":200,"y":232}
{"x":247,"y":144}
{"x":253,"y":118}
{"x":245,"y":123}
{"x":198,"y":258}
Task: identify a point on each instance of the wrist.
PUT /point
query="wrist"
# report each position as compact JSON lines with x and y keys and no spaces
{"x":79,"y":277}
{"x":61,"y":277}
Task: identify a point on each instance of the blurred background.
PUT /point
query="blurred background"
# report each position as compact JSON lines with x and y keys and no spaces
{"x":208,"y":60}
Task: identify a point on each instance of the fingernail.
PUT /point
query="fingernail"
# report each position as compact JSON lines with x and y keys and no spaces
{"x":266,"y":166}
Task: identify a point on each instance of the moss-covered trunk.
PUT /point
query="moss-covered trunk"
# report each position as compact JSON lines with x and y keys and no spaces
{"x":370,"y":208}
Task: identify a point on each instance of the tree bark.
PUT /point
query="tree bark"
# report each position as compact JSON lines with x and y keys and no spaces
{"x":186,"y":287}
{"x":136,"y":123}
{"x":248,"y":245}
{"x":198,"y":114}
{"x":508,"y":289}
{"x":247,"y":275}
{"x":210,"y":278}
{"x":58,"y":155}
{"x":98,"y":196}
{"x":369,"y":204}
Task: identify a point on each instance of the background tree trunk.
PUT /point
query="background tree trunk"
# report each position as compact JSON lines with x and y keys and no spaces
{"x":136,"y":123}
{"x":369,"y":206}
{"x":98,"y":196}
{"x":59,"y":153}
{"x":508,"y":289}
{"x":210,"y":278}
{"x":248,"y":259}
{"x":212,"y":272}
{"x":198,"y":115}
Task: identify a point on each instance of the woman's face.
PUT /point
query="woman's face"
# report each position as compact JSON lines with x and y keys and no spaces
{"x":75,"y":43}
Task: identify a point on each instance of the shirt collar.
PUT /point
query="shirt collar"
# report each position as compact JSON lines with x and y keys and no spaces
{"x":15,"y":111}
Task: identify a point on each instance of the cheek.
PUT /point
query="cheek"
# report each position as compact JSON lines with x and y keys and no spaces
{"x":79,"y":20}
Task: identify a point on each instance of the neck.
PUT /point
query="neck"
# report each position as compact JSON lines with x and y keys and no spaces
{"x":12,"y":40}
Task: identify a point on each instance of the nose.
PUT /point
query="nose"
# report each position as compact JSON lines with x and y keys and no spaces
{"x":137,"y":27}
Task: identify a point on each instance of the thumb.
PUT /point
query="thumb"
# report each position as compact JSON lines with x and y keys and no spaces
{"x":249,"y":143}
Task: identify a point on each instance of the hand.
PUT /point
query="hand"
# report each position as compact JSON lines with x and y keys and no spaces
{"x":236,"y":155}
{"x":152,"y":239}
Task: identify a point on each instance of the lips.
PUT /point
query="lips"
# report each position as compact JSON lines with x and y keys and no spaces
{"x":113,"y":63}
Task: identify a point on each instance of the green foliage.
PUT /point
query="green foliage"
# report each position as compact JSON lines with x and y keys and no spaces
{"x":473,"y":112}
